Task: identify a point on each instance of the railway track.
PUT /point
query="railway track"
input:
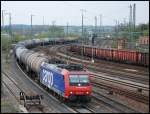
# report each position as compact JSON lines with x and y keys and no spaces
{"x":125,"y":82}
{"x":120,"y":81}
{"x":27,"y":84}
{"x":112,"y":104}
{"x":120,"y":75}
{"x":11,"y":86}
{"x":121,"y":67}
{"x":82,"y":109}
{"x":125,"y":92}
{"x":90,"y":109}
{"x":15,"y":90}
{"x":102,"y":104}
{"x":136,"y":86}
{"x":117,"y":73}
{"x":22,"y":86}
{"x":118,"y":66}
{"x":99,"y":99}
{"x":123,"y":75}
{"x":104,"y":60}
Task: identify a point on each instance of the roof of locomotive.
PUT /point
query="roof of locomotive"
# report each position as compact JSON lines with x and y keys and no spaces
{"x":79,"y":72}
{"x":71,"y":68}
{"x":51,"y":67}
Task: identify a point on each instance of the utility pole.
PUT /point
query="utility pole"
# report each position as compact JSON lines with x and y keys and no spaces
{"x":43,"y":20}
{"x":130,"y":17}
{"x":100,"y":28}
{"x":53,"y":23}
{"x":94,"y":35}
{"x":116,"y":28}
{"x":10,"y":24}
{"x":43,"y":25}
{"x":134,"y":14}
{"x":67,"y":29}
{"x":130,"y":24}
{"x":43,"y":29}
{"x":82,"y":10}
{"x":118,"y":24}
{"x":10,"y":29}
{"x":66,"y":49}
{"x":31,"y":27}
{"x":95,"y":24}
{"x":124,"y":21}
{"x":3,"y":18}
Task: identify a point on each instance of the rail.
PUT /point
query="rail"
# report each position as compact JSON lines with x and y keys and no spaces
{"x":28,"y":99}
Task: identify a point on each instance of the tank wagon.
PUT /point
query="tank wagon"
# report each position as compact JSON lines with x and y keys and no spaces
{"x":118,"y":55}
{"x":70,"y":82}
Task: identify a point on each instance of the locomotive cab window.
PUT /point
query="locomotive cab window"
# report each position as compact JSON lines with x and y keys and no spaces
{"x":74,"y":79}
{"x":83,"y":80}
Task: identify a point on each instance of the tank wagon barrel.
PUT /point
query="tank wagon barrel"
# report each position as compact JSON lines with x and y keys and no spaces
{"x":36,"y":62}
{"x":19,"y":50}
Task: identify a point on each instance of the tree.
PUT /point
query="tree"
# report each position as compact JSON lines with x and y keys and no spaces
{"x":5,"y":42}
{"x":56,"y":31}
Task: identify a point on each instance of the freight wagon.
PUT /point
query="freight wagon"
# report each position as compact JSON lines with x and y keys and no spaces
{"x":118,"y":55}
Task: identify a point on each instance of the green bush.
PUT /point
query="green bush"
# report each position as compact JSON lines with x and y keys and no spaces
{"x":114,"y":44}
{"x":5,"y":42}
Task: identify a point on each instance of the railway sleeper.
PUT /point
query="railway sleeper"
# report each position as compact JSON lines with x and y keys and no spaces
{"x":139,"y":90}
{"x":110,"y":92}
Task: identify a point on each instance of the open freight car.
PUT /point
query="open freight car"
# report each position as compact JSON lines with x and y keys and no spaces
{"x":118,"y":55}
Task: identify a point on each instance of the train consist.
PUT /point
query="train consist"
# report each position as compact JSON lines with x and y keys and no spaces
{"x":70,"y":82}
{"x":123,"y":56}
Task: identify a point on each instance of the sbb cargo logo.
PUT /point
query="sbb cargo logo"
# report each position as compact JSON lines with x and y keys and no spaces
{"x":47,"y":78}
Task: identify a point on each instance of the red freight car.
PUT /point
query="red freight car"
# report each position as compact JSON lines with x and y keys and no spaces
{"x":125,"y":56}
{"x":115,"y":55}
{"x":143,"y":58}
{"x":108,"y":54}
{"x":88,"y":51}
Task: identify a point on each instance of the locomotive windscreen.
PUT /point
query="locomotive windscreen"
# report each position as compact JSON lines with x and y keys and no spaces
{"x":79,"y":80}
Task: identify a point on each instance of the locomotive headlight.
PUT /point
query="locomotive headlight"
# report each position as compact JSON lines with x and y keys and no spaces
{"x":71,"y":92}
{"x":87,"y":92}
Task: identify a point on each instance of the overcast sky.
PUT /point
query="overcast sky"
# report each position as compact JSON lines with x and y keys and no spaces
{"x":69,"y":11}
